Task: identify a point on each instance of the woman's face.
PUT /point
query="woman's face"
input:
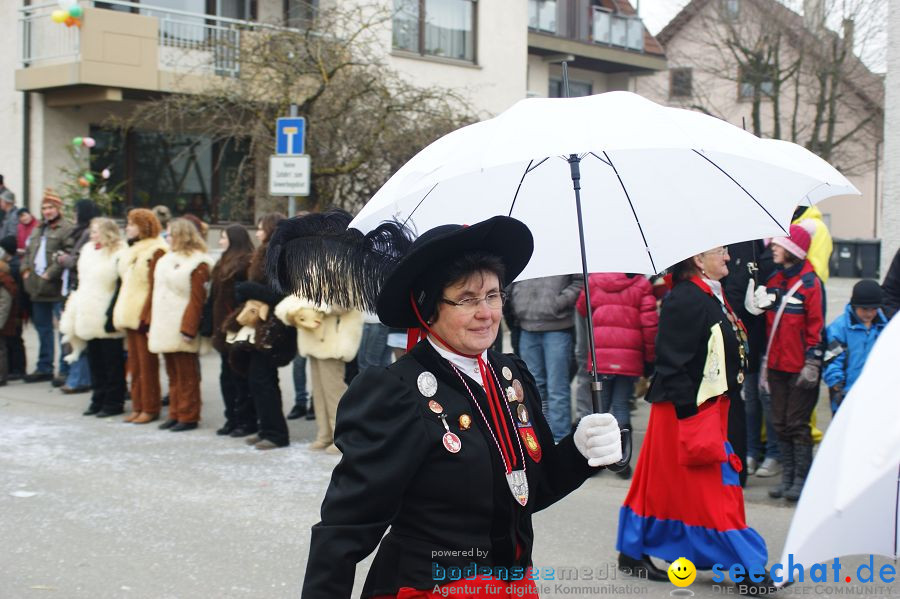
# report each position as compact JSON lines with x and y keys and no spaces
{"x":95,"y":234}
{"x":260,"y":234}
{"x":469,"y":330}
{"x":781,"y":255}
{"x":714,"y":263}
{"x":132,"y":231}
{"x":25,"y":218}
{"x":223,"y":241}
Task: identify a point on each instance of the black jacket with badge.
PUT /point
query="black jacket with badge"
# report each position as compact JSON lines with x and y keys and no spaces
{"x":395,"y":472}
{"x":688,"y":313}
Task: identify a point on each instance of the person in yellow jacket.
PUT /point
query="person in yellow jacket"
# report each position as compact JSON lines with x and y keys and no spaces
{"x":810,"y":218}
{"x":819,"y":255}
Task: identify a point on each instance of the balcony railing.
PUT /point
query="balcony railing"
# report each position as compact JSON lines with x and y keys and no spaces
{"x":187,"y":41}
{"x":600,"y":26}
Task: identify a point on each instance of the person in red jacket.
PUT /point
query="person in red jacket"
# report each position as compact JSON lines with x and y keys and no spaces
{"x":794,"y":326}
{"x":624,"y":323}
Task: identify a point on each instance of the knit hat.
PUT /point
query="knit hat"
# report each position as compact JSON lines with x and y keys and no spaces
{"x":163,"y":213}
{"x":797,"y":244}
{"x":866,"y":294}
{"x":50,"y":197}
{"x":9,"y":244}
{"x":146,"y":222}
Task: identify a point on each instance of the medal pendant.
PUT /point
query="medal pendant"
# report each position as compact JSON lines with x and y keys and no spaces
{"x":740,"y":377}
{"x":453,"y":445}
{"x":507,"y":373}
{"x":427,"y":384}
{"x":518,"y":485}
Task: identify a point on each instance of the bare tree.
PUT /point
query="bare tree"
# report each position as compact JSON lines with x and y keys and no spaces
{"x":800,"y":78}
{"x":363,"y":120}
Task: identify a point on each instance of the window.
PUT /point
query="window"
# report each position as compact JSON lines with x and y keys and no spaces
{"x":300,"y":13}
{"x":443,"y":28}
{"x":576,"y":88}
{"x":188,"y":173}
{"x":751,"y":79}
{"x":681,"y":83}
{"x":542,"y":15}
{"x":731,"y":9}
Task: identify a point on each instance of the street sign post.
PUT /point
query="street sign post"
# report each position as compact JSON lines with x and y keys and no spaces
{"x":289,"y":175}
{"x":290,"y":136}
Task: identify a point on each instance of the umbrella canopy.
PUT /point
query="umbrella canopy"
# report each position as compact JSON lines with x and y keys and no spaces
{"x":657,"y":184}
{"x":850,"y":503}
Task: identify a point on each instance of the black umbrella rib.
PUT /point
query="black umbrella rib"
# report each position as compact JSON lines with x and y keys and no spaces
{"x":601,"y":159}
{"x":419,"y":204}
{"x":631,"y":205}
{"x":528,"y":169}
{"x":750,"y":195}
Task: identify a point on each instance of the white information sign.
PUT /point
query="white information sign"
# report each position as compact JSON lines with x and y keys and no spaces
{"x":289,"y":175}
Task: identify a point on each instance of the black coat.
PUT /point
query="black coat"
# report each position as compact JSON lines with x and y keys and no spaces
{"x":685,"y":320}
{"x":396,"y":473}
{"x":891,"y":287}
{"x":735,"y":287}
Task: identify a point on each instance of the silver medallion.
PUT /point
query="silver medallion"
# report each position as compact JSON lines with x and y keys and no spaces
{"x":427,"y":384}
{"x":740,"y":377}
{"x":518,"y":485}
{"x":507,"y":373}
{"x":511,"y":395}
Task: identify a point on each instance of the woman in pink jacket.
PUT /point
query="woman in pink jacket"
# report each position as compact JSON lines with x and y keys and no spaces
{"x":624,"y":324}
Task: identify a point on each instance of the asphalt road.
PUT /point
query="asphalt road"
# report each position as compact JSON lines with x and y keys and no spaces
{"x":93,"y":508}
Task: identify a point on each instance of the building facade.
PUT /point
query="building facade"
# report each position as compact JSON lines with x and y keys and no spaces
{"x":66,"y":83}
{"x":755,"y":64}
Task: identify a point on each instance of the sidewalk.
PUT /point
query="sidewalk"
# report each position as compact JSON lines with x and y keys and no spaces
{"x":95,"y":508}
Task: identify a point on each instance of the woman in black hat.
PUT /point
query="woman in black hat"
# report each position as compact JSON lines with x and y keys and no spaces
{"x":447,"y":446}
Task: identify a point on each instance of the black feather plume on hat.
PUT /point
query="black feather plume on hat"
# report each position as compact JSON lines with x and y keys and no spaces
{"x":318,"y":258}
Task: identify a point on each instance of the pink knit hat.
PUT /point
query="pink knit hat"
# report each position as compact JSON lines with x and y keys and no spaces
{"x":797,"y":243}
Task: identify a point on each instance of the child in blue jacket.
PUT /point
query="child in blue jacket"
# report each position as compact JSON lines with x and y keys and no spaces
{"x":851,"y":337}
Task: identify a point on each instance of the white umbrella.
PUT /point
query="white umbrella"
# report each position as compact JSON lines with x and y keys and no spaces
{"x":658,"y":184}
{"x":850,"y":504}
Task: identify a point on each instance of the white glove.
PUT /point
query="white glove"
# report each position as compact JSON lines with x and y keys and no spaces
{"x":750,"y":300}
{"x":598,"y":439}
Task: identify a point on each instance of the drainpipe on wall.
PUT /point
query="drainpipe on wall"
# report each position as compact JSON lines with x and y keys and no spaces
{"x":26,"y":149}
{"x":877,"y":195}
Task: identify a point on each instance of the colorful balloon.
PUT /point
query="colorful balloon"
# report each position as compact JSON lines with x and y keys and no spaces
{"x":58,"y":16}
{"x":83,"y":182}
{"x":69,"y":21}
{"x":75,"y":11}
{"x":89,"y":177}
{"x":89,"y":142}
{"x":78,"y":23}
{"x":105,"y":173}
{"x":76,"y":141}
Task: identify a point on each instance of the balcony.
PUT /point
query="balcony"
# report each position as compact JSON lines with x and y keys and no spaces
{"x":127,"y":46}
{"x":598,"y":37}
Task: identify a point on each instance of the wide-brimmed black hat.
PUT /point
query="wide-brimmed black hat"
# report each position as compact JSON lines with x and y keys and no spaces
{"x":507,"y":238}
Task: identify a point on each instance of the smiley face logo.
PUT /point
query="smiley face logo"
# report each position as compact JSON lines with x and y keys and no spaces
{"x":682,"y":572}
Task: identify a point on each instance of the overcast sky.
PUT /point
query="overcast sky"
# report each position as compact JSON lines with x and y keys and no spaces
{"x":656,"y":13}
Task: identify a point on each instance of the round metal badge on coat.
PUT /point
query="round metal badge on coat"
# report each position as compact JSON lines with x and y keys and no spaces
{"x":427,"y":384}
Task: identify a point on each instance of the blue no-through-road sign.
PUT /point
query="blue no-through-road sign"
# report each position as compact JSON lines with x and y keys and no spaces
{"x":290,"y":133}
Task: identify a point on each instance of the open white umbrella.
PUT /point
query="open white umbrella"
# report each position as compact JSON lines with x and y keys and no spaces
{"x":652,"y":185}
{"x":657,"y":184}
{"x":851,"y":498}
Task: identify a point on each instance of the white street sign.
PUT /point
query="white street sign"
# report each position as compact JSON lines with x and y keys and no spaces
{"x":289,"y":175}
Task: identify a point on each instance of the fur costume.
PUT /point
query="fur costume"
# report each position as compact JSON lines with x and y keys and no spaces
{"x":171,"y":296}
{"x":86,"y":314}
{"x":323,"y":332}
{"x":134,"y":270}
{"x":252,"y":327}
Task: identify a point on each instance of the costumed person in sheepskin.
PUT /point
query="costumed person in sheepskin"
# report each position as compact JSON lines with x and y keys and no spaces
{"x":130,"y":315}
{"x":685,"y":499}
{"x":229,"y":271}
{"x":259,"y":343}
{"x":447,"y":447}
{"x":328,"y":336}
{"x":87,"y":320}
{"x":178,"y":293}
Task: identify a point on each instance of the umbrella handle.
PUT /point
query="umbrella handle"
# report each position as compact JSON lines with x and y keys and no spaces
{"x":622,"y":464}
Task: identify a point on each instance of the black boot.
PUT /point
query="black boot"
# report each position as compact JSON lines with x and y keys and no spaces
{"x":802,"y":462}
{"x":787,"y":469}
{"x":642,"y":568}
{"x":298,"y":411}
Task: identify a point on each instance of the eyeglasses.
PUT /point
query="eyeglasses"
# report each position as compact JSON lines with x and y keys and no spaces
{"x":721,"y":251}
{"x":494,"y":301}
